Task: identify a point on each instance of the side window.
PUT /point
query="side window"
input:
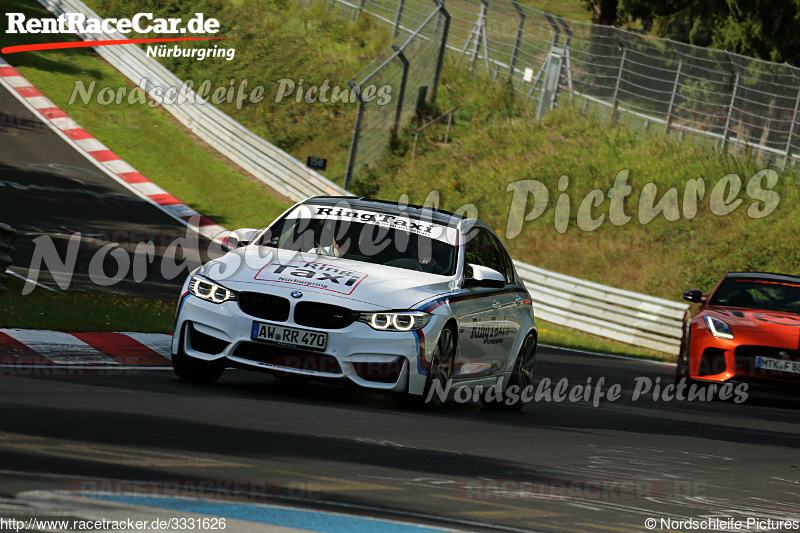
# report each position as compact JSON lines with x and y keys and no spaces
{"x":483,"y":248}
{"x":503,"y":261}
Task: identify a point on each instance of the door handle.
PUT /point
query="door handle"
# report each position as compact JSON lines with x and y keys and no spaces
{"x":495,"y":305}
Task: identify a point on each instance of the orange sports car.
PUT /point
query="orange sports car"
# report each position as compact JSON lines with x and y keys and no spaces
{"x":747,"y":329}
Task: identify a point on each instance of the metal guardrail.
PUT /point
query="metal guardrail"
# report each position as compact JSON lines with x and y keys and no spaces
{"x":625,"y":316}
{"x":7,"y":237}
{"x":271,"y":165}
{"x":621,"y":315}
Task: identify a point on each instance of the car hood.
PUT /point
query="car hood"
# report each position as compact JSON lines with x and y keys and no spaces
{"x":759,"y":320}
{"x":258,"y":269}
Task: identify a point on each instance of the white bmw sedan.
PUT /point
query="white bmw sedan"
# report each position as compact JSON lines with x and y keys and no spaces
{"x":399,"y":298}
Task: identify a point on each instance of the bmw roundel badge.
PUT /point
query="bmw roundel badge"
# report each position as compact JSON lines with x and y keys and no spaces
{"x":297,"y":294}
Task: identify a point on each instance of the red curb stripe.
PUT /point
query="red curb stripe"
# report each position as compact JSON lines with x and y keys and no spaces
{"x":7,"y":72}
{"x":124,"y":349}
{"x":133,"y":177}
{"x":13,"y":352}
{"x":52,"y":112}
{"x":77,"y":133}
{"x":103,"y":155}
{"x":29,"y":92}
{"x":205,"y":221}
{"x":93,"y":44}
{"x":164,"y":199}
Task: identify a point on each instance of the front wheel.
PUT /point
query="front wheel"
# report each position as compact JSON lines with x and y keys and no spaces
{"x":518,"y":389}
{"x":440,"y":372}
{"x":196,"y":370}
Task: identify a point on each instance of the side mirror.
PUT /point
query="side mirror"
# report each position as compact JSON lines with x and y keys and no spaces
{"x":238,"y":238}
{"x":485,"y":277}
{"x":693,"y":295}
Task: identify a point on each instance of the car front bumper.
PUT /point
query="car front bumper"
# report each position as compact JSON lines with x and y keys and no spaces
{"x":382,"y":360}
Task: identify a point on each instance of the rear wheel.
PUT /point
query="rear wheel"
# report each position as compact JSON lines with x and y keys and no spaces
{"x":520,"y":381}
{"x":196,"y":370}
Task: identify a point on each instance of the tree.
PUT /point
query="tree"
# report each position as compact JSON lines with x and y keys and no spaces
{"x":766,"y":29}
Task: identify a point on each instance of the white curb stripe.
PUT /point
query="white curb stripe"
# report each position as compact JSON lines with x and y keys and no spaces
{"x":160,"y":343}
{"x":60,"y":348}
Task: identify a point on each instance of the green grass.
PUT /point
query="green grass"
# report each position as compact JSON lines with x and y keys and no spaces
{"x":496,"y":142}
{"x":553,"y":334}
{"x":76,"y":311}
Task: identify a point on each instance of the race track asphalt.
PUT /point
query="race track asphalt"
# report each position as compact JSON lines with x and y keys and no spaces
{"x":556,"y":466}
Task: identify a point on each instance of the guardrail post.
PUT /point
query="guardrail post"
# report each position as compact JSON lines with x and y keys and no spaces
{"x":615,"y":99}
{"x":728,"y":119}
{"x":351,"y":160}
{"x":672,"y":96}
{"x":442,"y":48}
{"x":518,"y":40}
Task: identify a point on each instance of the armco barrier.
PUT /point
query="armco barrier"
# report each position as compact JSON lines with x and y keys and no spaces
{"x":621,"y":315}
{"x":625,"y":316}
{"x":7,"y":237}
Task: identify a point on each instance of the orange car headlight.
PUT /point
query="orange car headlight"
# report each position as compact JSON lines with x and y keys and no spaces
{"x":718,"y":328}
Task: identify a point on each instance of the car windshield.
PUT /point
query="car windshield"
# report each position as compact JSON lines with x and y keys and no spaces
{"x":758,"y":294}
{"x":382,"y":239}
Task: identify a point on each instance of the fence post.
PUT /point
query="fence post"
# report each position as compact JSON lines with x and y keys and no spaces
{"x":788,"y":156}
{"x":400,"y":5}
{"x":672,"y":96}
{"x":351,"y":160}
{"x":615,"y":101}
{"x":399,"y":109}
{"x":518,"y":40}
{"x":442,"y":48}
{"x":567,"y":56}
{"x":478,"y":33}
{"x":728,"y":119}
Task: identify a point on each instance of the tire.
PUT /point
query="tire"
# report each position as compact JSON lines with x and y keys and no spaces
{"x":521,"y":378}
{"x":442,"y":363}
{"x":195,"y":370}
{"x":682,"y":366}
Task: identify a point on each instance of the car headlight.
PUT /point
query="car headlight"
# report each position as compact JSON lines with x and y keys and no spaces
{"x":718,"y":328}
{"x":396,"y":320}
{"x":210,"y":291}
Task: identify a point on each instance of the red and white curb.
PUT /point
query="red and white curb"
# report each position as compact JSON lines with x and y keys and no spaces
{"x":101,"y":156}
{"x":30,"y":347}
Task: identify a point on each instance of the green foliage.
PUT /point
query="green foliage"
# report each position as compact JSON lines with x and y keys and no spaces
{"x":83,"y":311}
{"x":757,"y":28}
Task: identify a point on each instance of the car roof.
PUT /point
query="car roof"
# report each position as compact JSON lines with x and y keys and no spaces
{"x":439,"y":216}
{"x":767,"y":276}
